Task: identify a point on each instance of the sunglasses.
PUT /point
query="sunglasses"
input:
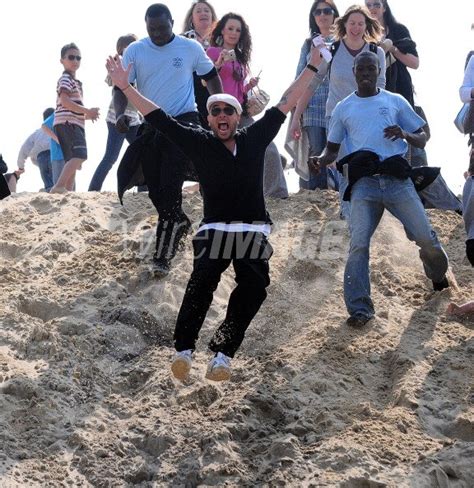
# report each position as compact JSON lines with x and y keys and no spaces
{"x":373,"y":5}
{"x":228,"y":110}
{"x":320,"y":11}
{"x":72,"y":57}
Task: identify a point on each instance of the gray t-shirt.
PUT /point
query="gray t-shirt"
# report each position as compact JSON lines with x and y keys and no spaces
{"x":341,"y":78}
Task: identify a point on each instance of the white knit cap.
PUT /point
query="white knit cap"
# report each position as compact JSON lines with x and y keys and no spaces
{"x":226,"y":98}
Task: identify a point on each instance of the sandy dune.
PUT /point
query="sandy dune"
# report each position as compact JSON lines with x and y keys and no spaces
{"x":86,"y":396}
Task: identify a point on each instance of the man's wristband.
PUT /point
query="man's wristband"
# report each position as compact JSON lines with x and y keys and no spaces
{"x":126,"y":88}
{"x":312,"y":68}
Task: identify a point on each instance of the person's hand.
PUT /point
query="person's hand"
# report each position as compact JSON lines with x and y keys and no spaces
{"x":295,"y":128}
{"x":315,"y":58}
{"x":253,"y":82}
{"x":394,"y":132}
{"x":122,"y":124}
{"x":117,"y":73}
{"x":19,"y":171}
{"x":314,"y":164}
{"x":386,"y":45}
{"x":221,"y":59}
{"x":92,"y":114}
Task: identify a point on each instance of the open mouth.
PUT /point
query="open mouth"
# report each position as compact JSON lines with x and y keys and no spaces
{"x":223,"y":126}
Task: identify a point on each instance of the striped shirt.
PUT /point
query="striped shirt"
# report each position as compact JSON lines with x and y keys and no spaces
{"x":73,"y":88}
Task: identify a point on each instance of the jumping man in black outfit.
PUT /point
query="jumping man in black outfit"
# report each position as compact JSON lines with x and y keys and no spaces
{"x":235,"y":226}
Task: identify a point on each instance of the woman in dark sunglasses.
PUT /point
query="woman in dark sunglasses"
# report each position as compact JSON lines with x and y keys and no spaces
{"x":321,"y":19}
{"x":354,"y":32}
{"x":400,"y":48}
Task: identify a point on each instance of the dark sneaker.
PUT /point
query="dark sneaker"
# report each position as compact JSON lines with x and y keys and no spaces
{"x":160,"y":267}
{"x":441,"y":285}
{"x":470,"y":250}
{"x":357,"y":320}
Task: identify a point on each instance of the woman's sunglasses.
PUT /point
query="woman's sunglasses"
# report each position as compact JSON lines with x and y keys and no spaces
{"x":320,"y":11}
{"x":72,"y":57}
{"x":373,"y":5}
{"x":228,"y":110}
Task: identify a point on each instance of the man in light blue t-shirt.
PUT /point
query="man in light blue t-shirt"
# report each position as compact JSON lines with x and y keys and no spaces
{"x":162,"y":67}
{"x":376,"y":127}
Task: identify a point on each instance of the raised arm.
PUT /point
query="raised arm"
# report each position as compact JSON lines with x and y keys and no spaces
{"x":298,"y":87}
{"x":119,"y":77}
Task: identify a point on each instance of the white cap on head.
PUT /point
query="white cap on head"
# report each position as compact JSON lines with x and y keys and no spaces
{"x":226,"y":98}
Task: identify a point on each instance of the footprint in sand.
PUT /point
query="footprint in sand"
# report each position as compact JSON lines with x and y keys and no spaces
{"x":43,"y":205}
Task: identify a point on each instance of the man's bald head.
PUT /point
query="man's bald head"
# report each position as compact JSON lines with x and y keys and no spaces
{"x":366,"y":55}
{"x":366,"y":71}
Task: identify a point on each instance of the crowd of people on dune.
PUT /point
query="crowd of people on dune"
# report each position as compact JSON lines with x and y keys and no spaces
{"x":187,"y":103}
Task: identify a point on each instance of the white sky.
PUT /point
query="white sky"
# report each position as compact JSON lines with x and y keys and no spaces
{"x":33,"y":32}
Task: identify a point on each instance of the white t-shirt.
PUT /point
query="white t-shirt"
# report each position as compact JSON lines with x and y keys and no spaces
{"x":360,"y":123}
{"x":164,"y":74}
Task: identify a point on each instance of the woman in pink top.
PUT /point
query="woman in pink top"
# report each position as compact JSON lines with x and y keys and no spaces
{"x":231,"y":47}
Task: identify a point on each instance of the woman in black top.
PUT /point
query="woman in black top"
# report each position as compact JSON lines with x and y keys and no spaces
{"x":401,"y":50}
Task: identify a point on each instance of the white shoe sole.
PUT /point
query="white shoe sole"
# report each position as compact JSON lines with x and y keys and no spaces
{"x":180,"y":369}
{"x":219,"y":373}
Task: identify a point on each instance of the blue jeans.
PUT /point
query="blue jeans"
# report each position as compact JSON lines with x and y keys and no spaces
{"x":57,"y":166}
{"x":370,"y":197}
{"x":44,"y":164}
{"x":468,"y":206}
{"x":114,"y":145}
{"x":317,"y":137}
{"x":317,"y":141}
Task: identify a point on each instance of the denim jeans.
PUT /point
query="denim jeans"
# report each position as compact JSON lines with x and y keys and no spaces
{"x":468,"y":206}
{"x":317,"y":141}
{"x":114,"y":145}
{"x":370,"y":196}
{"x":57,"y":166}
{"x":44,"y":164}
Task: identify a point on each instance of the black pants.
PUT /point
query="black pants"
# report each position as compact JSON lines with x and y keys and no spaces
{"x":164,"y":176}
{"x":249,"y":253}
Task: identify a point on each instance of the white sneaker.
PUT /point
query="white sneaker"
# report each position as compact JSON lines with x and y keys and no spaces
{"x":181,"y":365}
{"x":219,"y":368}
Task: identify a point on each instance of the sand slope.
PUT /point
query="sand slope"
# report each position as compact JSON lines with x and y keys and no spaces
{"x":86,"y":398}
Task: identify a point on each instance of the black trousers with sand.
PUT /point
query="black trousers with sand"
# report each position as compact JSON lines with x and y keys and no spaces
{"x":164,"y":175}
{"x":214,"y":251}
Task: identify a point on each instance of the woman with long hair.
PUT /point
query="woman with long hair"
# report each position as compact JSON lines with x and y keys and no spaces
{"x":322,"y":16}
{"x":401,"y":50}
{"x":198,"y":24}
{"x":356,"y":31}
{"x":231,"y":49}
